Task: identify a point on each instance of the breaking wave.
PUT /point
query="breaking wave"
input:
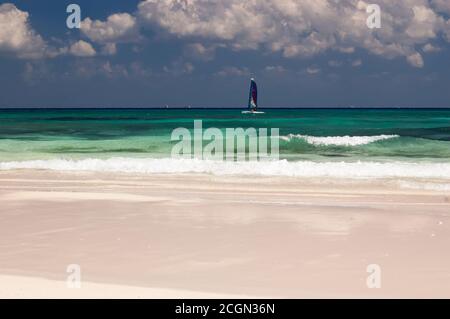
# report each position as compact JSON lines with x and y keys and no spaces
{"x":358,"y":169}
{"x":339,"y":140}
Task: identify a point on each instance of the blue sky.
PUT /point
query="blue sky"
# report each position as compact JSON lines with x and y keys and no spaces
{"x":202,"y":53}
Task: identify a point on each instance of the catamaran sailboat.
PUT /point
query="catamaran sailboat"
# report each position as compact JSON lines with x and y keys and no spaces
{"x":253,"y":99}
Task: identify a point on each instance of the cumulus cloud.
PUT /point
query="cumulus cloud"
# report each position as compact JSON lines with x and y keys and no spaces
{"x":424,"y":25}
{"x":415,"y":60}
{"x":233,"y":71}
{"x":357,"y":63}
{"x":291,"y":28}
{"x":109,"y":49}
{"x":179,"y":67}
{"x":447,"y":31}
{"x":347,"y":50}
{"x":275,"y":69}
{"x":82,"y":49}
{"x":89,"y":68}
{"x":303,"y":28}
{"x":429,"y":48}
{"x":36,"y":71}
{"x":334,"y":63}
{"x":112,"y":71}
{"x":17,"y":36}
{"x":200,"y":51}
{"x":441,"y":5}
{"x":312,"y":70}
{"x":119,"y":27}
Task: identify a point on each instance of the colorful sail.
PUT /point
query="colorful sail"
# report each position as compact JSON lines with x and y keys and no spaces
{"x":253,"y":96}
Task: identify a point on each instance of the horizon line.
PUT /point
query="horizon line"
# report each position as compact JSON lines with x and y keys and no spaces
{"x":223,"y":108}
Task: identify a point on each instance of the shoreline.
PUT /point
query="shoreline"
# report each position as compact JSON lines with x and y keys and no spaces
{"x":222,"y":235}
{"x":358,"y":171}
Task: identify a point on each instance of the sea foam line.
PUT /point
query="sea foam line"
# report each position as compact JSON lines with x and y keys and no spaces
{"x":339,"y":140}
{"x":270,"y":168}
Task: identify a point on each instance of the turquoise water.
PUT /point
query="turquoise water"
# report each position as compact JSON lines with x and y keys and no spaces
{"x":350,"y":134}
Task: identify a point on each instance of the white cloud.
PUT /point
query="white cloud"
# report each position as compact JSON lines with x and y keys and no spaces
{"x":119,"y":27}
{"x":188,"y":68}
{"x":334,"y":63}
{"x":17,"y":36}
{"x":416,"y":60}
{"x":233,"y":71}
{"x":200,"y":51}
{"x":179,"y":67}
{"x":82,"y":49}
{"x":447,"y":30}
{"x":312,"y":70}
{"x":109,"y":49}
{"x":302,"y":28}
{"x":429,"y":48}
{"x":113,"y":71}
{"x":292,"y":28}
{"x":275,"y":69}
{"x":357,"y":63}
{"x":347,"y":50}
{"x":424,"y":25}
{"x":89,"y":68}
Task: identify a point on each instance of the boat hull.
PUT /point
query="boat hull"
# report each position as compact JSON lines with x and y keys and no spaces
{"x":252,"y":112}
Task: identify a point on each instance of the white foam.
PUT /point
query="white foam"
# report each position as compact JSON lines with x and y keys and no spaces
{"x":339,"y":140}
{"x":269,"y":168}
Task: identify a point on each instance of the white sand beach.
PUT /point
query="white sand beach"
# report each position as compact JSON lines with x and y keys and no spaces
{"x":187,"y":236}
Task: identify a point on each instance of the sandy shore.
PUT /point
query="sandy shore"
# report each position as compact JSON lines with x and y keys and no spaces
{"x":16,"y":287}
{"x":204,"y":236}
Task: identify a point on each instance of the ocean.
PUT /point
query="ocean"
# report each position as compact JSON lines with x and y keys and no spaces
{"x":343,"y":143}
